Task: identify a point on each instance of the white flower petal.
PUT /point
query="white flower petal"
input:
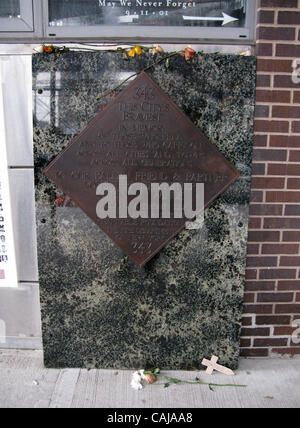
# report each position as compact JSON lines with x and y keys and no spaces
{"x":39,"y":49}
{"x":136,"y":385}
{"x":138,"y":375}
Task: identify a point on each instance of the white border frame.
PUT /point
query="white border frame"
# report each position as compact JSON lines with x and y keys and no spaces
{"x":10,"y":269}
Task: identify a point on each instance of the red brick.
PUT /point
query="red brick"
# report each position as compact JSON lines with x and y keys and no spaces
{"x":263,"y":81}
{"x":254,"y":223}
{"x":271,"y":126}
{"x":284,"y":81}
{"x":266,"y":17}
{"x":275,"y":297}
{"x":267,"y":183}
{"x":289,"y":285}
{"x":287,"y":309}
{"x":261,"y":261}
{"x":254,"y":352}
{"x":298,"y":297}
{"x":270,"y":211}
{"x":246,"y":321}
{"x":283,"y":169}
{"x":265,"y":209}
{"x":258,"y":168}
{"x":250,"y":274}
{"x":273,"y":320}
{"x":286,"y":351}
{"x":297,"y":97}
{"x":284,"y":197}
{"x":288,"y":50}
{"x":256,"y":196}
{"x":277,"y":65}
{"x":261,"y":111}
{"x":252,"y":249}
{"x":288,"y":112}
{"x":285,"y":141}
{"x":249,"y":298}
{"x":282,"y":223}
{"x":260,"y":331}
{"x":294,"y":156}
{"x":284,"y":17}
{"x":260,"y":140}
{"x":283,"y":331}
{"x":269,"y":155}
{"x":258,"y":309}
{"x":296,"y":127}
{"x":280,"y":249}
{"x":268,"y":96}
{"x":278,"y":3}
{"x":245,"y":343}
{"x":260,"y":285}
{"x":293,"y":209}
{"x":270,"y":342}
{"x":290,"y":261}
{"x":277,"y":273}
{"x":276,"y":33}
{"x":293,"y":236}
{"x":264,"y":49}
{"x":263,"y":236}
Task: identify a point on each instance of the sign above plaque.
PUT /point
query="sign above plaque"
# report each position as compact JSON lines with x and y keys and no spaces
{"x":191,"y":13}
{"x":140,"y":142}
{"x":155,"y":20}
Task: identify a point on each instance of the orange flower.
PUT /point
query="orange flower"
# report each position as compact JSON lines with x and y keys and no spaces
{"x":138,"y":50}
{"x":189,"y":53}
{"x":157,"y":49}
{"x":150,"y":378}
{"x":48,"y":49}
{"x":131,"y":53}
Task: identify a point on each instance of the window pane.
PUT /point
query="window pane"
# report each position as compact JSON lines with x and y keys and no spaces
{"x":9,"y":8}
{"x":198,"y":13}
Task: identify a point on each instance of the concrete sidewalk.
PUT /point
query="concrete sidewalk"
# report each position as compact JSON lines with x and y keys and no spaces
{"x":24,"y":382}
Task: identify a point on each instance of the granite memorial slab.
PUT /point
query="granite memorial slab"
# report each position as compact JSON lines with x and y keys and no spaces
{"x":99,"y":309}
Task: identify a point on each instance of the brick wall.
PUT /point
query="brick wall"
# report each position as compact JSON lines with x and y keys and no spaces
{"x":272,"y":298}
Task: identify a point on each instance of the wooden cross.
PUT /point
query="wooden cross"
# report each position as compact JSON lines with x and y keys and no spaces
{"x":212,"y":365}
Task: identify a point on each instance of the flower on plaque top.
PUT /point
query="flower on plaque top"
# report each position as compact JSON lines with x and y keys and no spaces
{"x":48,"y":49}
{"x":136,"y":50}
{"x":157,"y":49}
{"x":188,"y":53}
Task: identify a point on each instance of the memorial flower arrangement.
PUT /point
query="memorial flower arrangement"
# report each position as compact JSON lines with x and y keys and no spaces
{"x":128,"y":53}
{"x":142,"y":377}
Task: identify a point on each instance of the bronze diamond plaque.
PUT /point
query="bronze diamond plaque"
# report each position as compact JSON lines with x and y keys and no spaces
{"x":142,"y":136}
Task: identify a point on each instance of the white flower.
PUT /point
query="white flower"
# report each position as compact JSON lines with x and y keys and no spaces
{"x":136,"y":385}
{"x":246,"y":53}
{"x":39,"y":49}
{"x":137,"y":377}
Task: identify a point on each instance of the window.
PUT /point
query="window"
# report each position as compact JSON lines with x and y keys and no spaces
{"x":169,"y":19}
{"x":16,"y":15}
{"x":127,"y":20}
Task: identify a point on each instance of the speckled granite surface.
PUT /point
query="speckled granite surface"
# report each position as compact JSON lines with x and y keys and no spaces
{"x":99,"y":310}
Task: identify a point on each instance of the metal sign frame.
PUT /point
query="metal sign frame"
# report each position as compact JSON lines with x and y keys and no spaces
{"x":42,"y":31}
